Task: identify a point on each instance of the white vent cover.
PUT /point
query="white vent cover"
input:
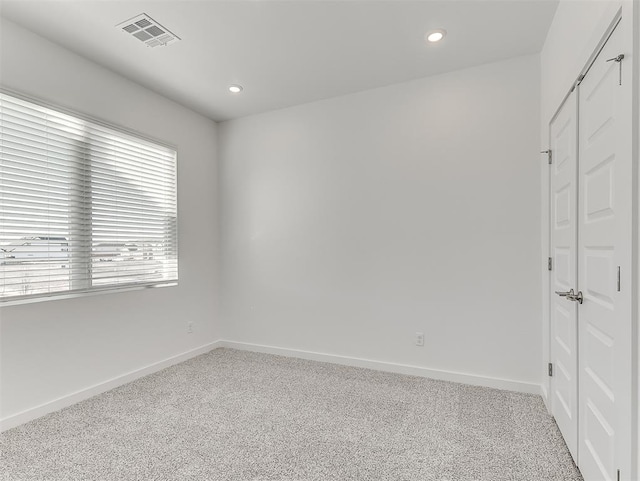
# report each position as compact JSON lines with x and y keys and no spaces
{"x":147,"y":30}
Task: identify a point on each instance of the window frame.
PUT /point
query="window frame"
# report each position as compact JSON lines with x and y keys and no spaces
{"x":92,"y":290}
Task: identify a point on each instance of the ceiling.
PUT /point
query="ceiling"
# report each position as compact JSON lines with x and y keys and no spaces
{"x":286,"y":52}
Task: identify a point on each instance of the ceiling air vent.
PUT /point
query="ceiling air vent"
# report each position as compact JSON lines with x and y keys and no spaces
{"x":147,"y":30}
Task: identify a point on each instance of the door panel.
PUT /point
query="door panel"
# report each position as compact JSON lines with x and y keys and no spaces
{"x":604,"y":244}
{"x":564,"y":384}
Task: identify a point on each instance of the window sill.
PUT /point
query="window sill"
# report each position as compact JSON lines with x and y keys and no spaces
{"x":72,"y":295}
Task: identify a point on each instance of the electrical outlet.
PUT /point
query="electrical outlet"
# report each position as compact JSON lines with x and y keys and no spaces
{"x":419,"y":338}
{"x":190,"y":327}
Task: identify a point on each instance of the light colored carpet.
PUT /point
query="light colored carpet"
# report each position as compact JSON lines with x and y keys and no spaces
{"x":233,"y":415}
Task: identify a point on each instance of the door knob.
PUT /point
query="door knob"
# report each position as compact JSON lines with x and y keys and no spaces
{"x":571,"y":296}
{"x":576,"y":297}
{"x":568,"y":294}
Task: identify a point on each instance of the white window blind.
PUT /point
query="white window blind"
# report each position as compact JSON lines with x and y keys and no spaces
{"x":82,"y":206}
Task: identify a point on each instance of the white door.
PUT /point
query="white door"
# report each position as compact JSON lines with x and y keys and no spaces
{"x":604,"y":245}
{"x":564,"y":243}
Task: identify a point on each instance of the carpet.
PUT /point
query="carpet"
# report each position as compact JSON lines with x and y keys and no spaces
{"x":234,"y":415}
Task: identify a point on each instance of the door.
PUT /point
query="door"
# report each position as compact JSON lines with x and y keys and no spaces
{"x":564,"y":314}
{"x":604,"y":247}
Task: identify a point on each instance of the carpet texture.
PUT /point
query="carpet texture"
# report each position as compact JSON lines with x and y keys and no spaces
{"x":233,"y":415}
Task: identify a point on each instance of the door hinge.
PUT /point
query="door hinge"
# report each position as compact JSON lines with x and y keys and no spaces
{"x":550,"y":263}
{"x":618,"y":278}
{"x":548,"y":152}
{"x":550,"y":370}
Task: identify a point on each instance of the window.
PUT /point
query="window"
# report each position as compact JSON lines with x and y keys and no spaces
{"x":83,"y":206}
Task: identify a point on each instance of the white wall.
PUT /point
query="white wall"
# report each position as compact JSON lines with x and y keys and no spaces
{"x":55,"y":348}
{"x":351,"y":223}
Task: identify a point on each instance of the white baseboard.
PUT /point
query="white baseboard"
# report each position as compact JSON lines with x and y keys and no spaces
{"x":473,"y":379}
{"x":75,"y":397}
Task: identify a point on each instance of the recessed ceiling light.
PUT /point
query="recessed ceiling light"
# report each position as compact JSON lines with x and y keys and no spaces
{"x":436,"y":35}
{"x":235,"y":89}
